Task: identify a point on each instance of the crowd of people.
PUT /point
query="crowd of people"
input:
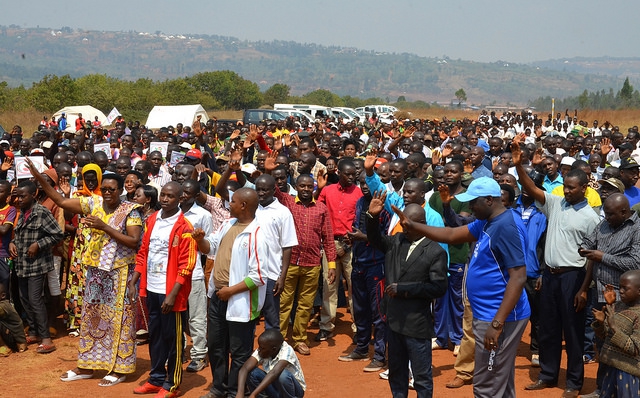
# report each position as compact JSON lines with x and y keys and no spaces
{"x":436,"y":234}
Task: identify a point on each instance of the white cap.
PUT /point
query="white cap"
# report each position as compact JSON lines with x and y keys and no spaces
{"x":47,"y":144}
{"x":567,"y":161}
{"x":249,"y":168}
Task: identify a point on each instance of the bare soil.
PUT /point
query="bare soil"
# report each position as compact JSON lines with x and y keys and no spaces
{"x":34,"y":375}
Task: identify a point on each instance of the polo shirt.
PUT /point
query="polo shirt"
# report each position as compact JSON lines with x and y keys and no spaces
{"x":567,"y":226}
{"x":501,"y":245}
{"x":549,"y":185}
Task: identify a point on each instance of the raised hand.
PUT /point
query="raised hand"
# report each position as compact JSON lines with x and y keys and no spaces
{"x":253,"y":132}
{"x":446,"y":151}
{"x":445,"y":194}
{"x":371,"y":158}
{"x":435,"y":157}
{"x":235,"y":134}
{"x":270,"y":162}
{"x":377,"y":203}
{"x":6,"y":165}
{"x":468,"y":167}
{"x":605,"y":146}
{"x":538,"y":157}
{"x":322,"y":178}
{"x":234,"y":160}
{"x":65,"y":187}
{"x":516,"y":153}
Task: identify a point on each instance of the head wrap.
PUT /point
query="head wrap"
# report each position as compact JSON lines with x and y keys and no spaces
{"x":85,"y":190}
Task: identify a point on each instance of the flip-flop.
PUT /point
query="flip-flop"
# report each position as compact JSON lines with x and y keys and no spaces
{"x":112,"y":380}
{"x":45,"y":349}
{"x":32,"y":339}
{"x":73,"y":376}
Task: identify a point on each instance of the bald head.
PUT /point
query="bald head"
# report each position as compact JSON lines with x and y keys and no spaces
{"x":616,"y":209}
{"x":415,"y":212}
{"x":244,"y":203}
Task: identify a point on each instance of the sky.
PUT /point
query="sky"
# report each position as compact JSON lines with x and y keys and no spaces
{"x":483,"y":31}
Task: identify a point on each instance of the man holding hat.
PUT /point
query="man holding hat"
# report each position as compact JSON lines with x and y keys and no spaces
{"x":495,"y":280}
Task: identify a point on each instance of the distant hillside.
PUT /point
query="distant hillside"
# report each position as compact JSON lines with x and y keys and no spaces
{"x":26,"y":55}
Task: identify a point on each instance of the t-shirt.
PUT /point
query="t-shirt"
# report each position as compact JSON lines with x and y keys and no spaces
{"x":457,"y":253}
{"x":501,"y":245}
{"x":633,"y":194}
{"x":223,"y":256}
{"x":7,"y":216}
{"x":159,"y":253}
{"x":286,"y":353}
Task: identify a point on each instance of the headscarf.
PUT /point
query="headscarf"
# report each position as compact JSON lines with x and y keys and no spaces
{"x":85,"y":191}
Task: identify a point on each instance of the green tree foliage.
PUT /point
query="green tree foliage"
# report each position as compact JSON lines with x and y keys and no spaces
{"x":231,"y":90}
{"x":276,"y":94}
{"x":53,"y":92}
{"x":322,"y":97}
{"x":461,"y":95}
{"x":627,"y":97}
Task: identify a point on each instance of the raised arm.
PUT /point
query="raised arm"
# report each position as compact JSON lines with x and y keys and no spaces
{"x":72,"y":205}
{"x":526,"y":182}
{"x":452,"y":236}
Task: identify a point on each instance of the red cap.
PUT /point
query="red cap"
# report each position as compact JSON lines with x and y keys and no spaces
{"x":194,"y":153}
{"x":379,"y":162}
{"x":8,"y":154}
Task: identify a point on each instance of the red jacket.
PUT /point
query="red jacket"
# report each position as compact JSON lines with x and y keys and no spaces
{"x":182,"y":259}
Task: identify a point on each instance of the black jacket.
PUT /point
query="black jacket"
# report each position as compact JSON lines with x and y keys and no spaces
{"x":420,"y":278}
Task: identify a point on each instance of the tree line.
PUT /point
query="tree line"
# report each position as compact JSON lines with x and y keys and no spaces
{"x":219,"y":90}
{"x":625,"y":98}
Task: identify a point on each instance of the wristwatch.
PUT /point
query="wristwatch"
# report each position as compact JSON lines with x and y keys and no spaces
{"x":496,"y":324}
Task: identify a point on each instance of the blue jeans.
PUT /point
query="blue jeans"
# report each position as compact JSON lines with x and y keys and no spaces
{"x":286,"y":386}
{"x":403,"y":349}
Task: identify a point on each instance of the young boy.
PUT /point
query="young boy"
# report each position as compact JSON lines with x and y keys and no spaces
{"x":282,"y":375}
{"x":11,"y":328}
{"x":37,"y":231}
{"x":7,"y":219}
{"x":618,"y":325}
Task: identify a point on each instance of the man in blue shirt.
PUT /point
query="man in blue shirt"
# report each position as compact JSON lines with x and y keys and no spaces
{"x":629,"y":176}
{"x":495,"y":280}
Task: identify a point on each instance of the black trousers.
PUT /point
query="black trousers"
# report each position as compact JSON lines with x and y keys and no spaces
{"x":559,"y":318}
{"x":166,"y":343}
{"x":226,"y":338}
{"x":32,"y":299}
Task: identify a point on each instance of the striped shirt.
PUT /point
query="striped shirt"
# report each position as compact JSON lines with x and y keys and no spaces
{"x":621,"y":248}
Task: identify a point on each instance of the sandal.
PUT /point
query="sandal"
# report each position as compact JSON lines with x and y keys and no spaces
{"x":74,"y":333}
{"x":45,"y":349}
{"x":70,"y":375}
{"x":5,"y":351}
{"x":111,"y":380}
{"x":32,"y":339}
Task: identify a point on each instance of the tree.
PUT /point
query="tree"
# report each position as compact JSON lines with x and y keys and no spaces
{"x":626,"y":92}
{"x":278,"y":93}
{"x":322,"y":97}
{"x":53,"y":92}
{"x":228,"y":88}
{"x":461,"y":96}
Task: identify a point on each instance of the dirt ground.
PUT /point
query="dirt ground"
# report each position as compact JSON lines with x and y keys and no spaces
{"x":34,"y":375}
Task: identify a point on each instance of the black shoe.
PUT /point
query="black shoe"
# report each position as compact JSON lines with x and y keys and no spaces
{"x":354,"y":356}
{"x":539,"y":385}
{"x":323,"y":335}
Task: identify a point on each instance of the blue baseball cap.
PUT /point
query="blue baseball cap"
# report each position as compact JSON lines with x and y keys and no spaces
{"x":480,"y":187}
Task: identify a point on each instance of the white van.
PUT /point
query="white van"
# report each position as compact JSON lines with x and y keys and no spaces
{"x":315,"y":111}
{"x":297,"y":113}
{"x":350,"y":111}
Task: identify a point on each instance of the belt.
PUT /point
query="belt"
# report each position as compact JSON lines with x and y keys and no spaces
{"x":562,"y":270}
{"x":339,"y":238}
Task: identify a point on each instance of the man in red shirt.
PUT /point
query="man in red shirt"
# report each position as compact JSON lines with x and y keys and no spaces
{"x":312,"y":225}
{"x":80,"y":122}
{"x":340,"y":200}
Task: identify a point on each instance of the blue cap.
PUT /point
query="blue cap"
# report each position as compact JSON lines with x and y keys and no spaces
{"x":480,"y":187}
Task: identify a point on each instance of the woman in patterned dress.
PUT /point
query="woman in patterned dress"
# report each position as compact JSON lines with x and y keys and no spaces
{"x":107,"y":332}
{"x":91,"y":180}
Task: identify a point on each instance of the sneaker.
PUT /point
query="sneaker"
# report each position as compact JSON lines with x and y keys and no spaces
{"x":595,"y":394}
{"x":456,"y":350}
{"x":411,"y":384}
{"x":374,"y":366}
{"x":147,"y":388}
{"x":196,"y":365}
{"x":353,"y":356}
{"x":587,"y":359}
{"x":167,"y":394}
{"x":384,"y":375}
{"x":323,"y":335}
{"x":535,"y":360}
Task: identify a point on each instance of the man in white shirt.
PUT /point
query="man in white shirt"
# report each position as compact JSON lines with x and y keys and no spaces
{"x":199,"y":218}
{"x":279,"y":230}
